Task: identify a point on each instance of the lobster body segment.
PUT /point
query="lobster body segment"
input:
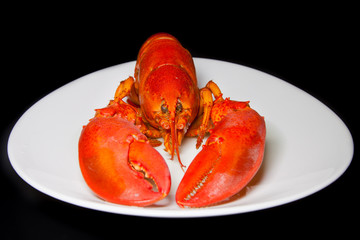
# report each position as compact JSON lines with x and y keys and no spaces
{"x":229,"y":159}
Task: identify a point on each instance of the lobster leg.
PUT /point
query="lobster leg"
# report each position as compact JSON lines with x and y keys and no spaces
{"x":124,"y":89}
{"x":206,"y":104}
{"x":202,"y":123}
{"x":214,"y":88}
{"x":127,"y":88}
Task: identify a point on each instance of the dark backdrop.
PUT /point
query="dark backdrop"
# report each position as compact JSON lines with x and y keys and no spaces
{"x":312,"y":49}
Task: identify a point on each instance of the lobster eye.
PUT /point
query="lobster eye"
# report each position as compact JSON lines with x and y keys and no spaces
{"x":179,"y":107}
{"x":164,"y":108}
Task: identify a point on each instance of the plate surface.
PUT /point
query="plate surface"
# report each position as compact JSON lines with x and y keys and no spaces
{"x":307,"y":145}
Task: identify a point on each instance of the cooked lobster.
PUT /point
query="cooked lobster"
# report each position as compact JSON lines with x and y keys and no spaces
{"x":115,"y":148}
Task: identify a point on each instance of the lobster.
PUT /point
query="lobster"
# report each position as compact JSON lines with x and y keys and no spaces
{"x":116,"y":153}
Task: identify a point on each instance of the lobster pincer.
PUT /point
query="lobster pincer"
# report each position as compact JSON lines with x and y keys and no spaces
{"x":230,"y":157}
{"x":117,"y":161}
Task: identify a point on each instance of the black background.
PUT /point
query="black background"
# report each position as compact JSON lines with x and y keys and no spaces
{"x":311,"y":48}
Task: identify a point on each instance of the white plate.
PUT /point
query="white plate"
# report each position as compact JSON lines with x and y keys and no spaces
{"x":307,"y":145}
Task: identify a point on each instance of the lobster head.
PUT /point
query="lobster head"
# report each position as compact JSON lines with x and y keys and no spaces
{"x":167,"y":87}
{"x":171,"y":104}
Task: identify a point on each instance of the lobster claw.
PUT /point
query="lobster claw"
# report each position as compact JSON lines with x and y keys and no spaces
{"x":228,"y":161}
{"x":119,"y":165}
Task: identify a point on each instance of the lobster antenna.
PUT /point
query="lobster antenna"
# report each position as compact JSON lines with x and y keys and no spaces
{"x":175,"y":144}
{"x":172,"y":127}
{"x":177,"y":151}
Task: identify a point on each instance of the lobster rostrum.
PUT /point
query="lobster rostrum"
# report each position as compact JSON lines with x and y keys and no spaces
{"x":116,"y":153}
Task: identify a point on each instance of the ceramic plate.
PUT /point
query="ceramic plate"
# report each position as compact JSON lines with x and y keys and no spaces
{"x":307,"y":145}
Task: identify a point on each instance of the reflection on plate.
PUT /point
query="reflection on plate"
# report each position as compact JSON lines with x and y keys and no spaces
{"x":307,"y":146}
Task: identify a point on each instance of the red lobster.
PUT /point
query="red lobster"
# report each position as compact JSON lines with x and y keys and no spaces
{"x":115,"y":148}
